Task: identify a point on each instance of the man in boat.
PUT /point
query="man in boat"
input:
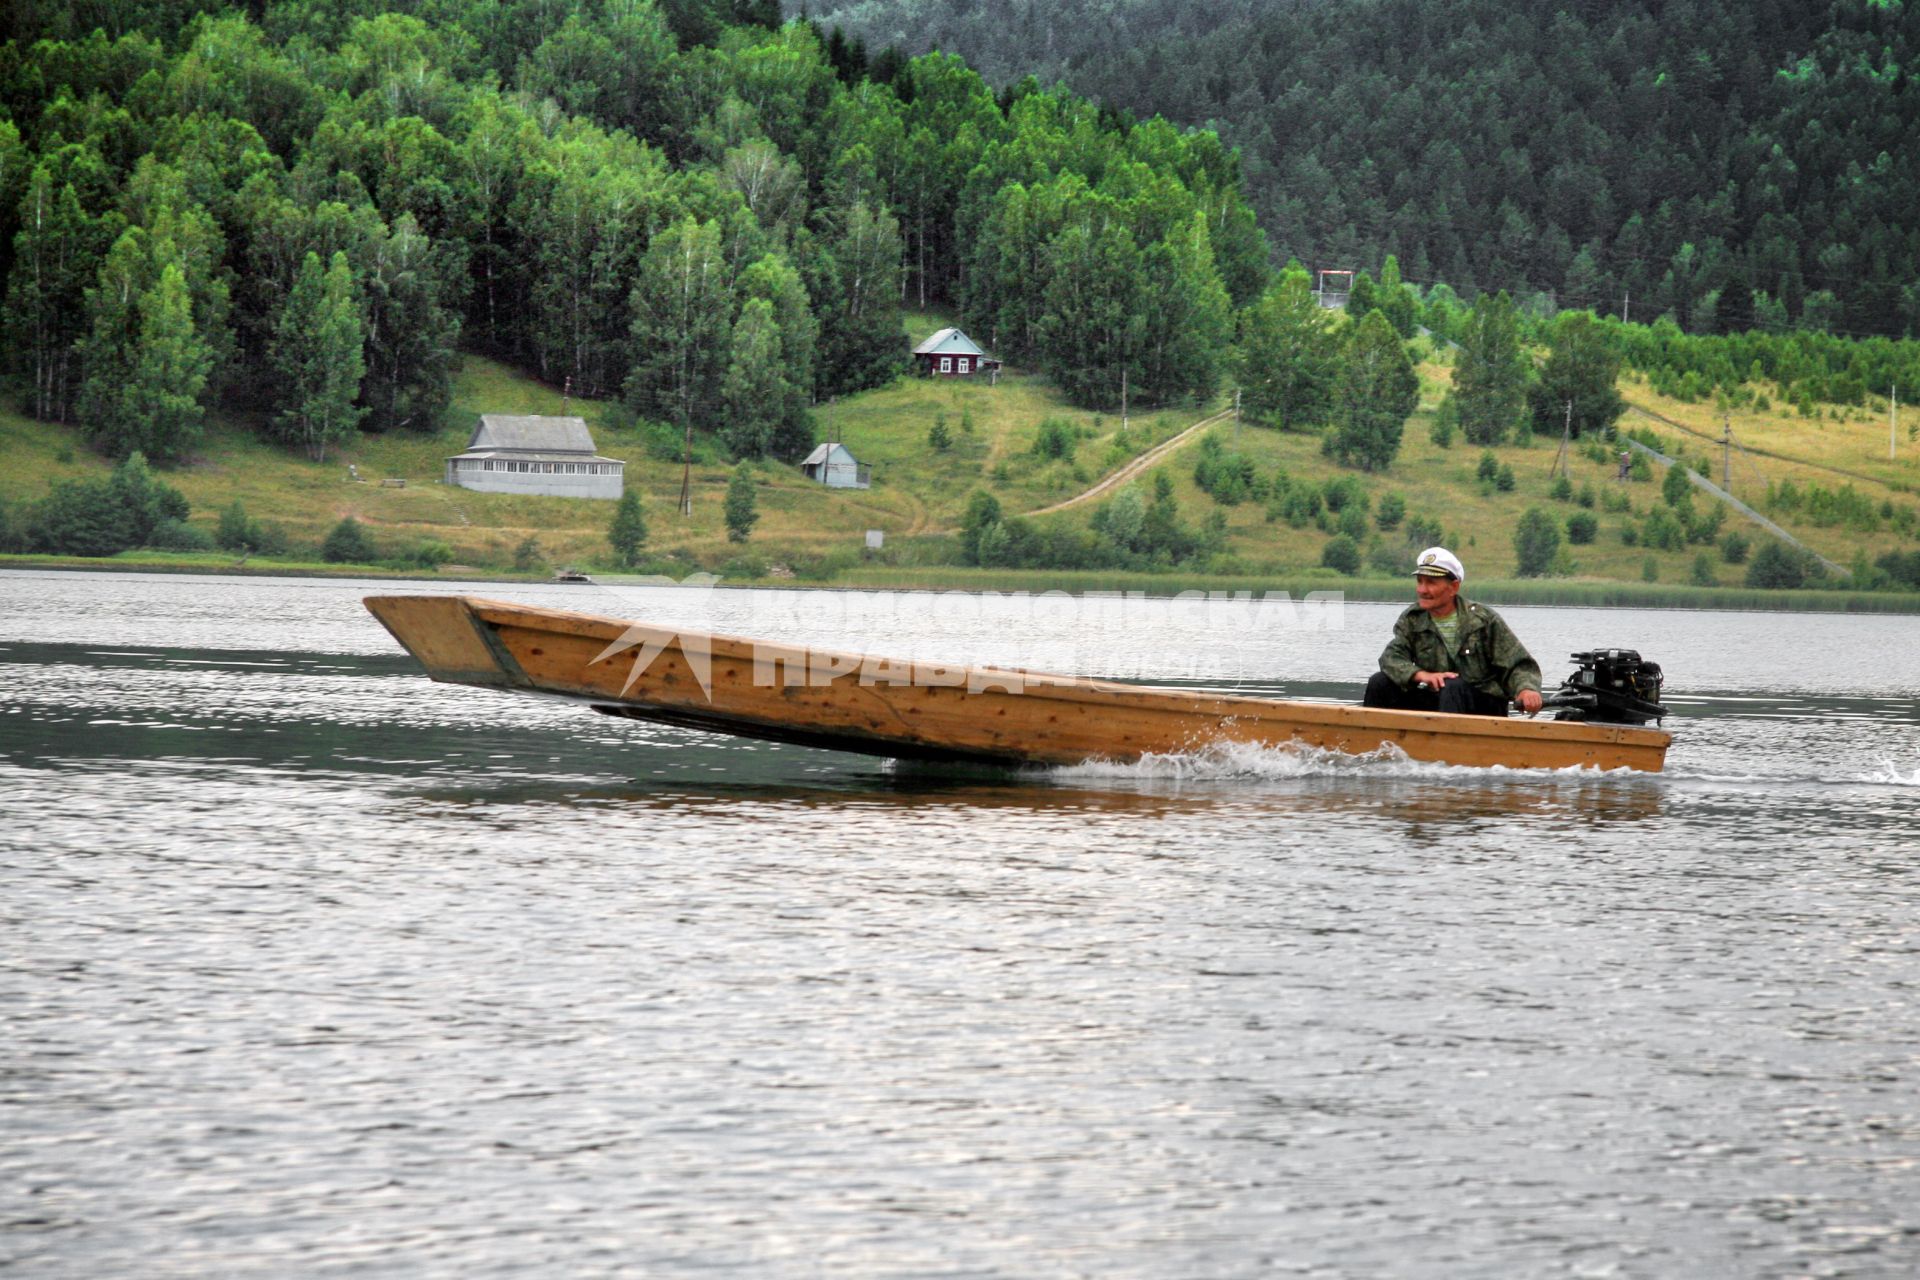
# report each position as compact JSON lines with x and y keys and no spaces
{"x":1450,"y":654}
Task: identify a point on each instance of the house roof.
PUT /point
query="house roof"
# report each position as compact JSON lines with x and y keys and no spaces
{"x":822,"y":453}
{"x":531,"y":433}
{"x":534,"y":455}
{"x":948,"y":342}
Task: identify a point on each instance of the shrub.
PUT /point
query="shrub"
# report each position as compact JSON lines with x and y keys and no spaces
{"x":939,"y":439}
{"x":1341,"y":554}
{"x":1352,"y":523}
{"x":347,"y":543}
{"x":432,"y":553}
{"x":526,"y":556}
{"x":1055,"y":439}
{"x":1561,"y":490}
{"x":1777,"y":566}
{"x":1536,"y":540}
{"x":1663,"y":530}
{"x":1582,"y":528}
{"x":1585,"y":496}
{"x":236,"y":532}
{"x":1734,"y":548}
{"x":1393,"y":508}
{"x":1702,"y":574}
{"x":1489,"y":466}
{"x":1504,"y":480}
{"x":178,"y":535}
{"x":1342,"y":493}
{"x":82,"y":518}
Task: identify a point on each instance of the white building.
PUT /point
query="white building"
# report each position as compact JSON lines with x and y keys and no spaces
{"x":550,"y":457}
{"x":832,"y":465}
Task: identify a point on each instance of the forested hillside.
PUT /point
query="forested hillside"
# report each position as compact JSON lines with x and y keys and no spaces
{"x":1734,"y":163}
{"x":300,"y":212}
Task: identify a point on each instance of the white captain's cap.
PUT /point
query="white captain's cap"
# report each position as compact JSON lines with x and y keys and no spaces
{"x":1438,"y":562}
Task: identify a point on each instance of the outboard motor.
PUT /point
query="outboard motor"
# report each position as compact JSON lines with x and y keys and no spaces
{"x":1612,"y":686}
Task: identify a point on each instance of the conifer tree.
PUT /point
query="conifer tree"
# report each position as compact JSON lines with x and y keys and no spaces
{"x":1378,"y":393}
{"x":741,"y":509}
{"x":1490,"y":375}
{"x":628,"y":532}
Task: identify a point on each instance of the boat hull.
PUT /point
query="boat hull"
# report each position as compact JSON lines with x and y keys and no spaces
{"x":894,"y":708}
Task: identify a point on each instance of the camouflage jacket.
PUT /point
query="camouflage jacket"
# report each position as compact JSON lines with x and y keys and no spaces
{"x":1491,"y":658}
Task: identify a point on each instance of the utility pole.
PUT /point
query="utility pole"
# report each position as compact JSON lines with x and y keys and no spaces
{"x":1236,"y":416}
{"x":566,"y":395}
{"x":1560,"y":464}
{"x":1726,"y":453}
{"x":1626,"y":306}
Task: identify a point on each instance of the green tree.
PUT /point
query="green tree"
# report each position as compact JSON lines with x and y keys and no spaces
{"x":1536,"y":541}
{"x":1378,"y":392}
{"x":1581,"y":369}
{"x":741,"y":510}
{"x":1395,"y":300}
{"x":1287,"y":361}
{"x":161,"y":410}
{"x":681,"y":325}
{"x":853,"y":276}
{"x":755,"y":390}
{"x":1490,"y":374}
{"x":412,"y":335}
{"x":983,"y":510}
{"x":147,"y":502}
{"x":56,"y":255}
{"x":628,"y":532}
{"x":317,"y":355}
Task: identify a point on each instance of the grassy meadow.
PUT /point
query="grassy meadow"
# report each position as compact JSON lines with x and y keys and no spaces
{"x":919,"y":491}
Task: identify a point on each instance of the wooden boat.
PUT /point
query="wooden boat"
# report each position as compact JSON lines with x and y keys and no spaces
{"x":882,"y":707}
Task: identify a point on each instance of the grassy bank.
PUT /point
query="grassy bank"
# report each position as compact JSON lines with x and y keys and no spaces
{"x":919,"y":492}
{"x":1526,"y":591}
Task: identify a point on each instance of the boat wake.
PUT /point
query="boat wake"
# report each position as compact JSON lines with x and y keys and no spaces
{"x":1235,"y":761}
{"x":1889,"y":775}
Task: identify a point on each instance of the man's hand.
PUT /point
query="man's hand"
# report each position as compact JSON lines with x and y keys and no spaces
{"x":1434,"y":679}
{"x":1529,"y":700}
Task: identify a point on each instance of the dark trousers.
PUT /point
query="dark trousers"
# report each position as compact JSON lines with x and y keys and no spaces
{"x":1456,"y":697}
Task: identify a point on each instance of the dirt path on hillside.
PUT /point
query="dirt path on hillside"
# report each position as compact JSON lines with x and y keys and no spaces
{"x":1134,"y":468}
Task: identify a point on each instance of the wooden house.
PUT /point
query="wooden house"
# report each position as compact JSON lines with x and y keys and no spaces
{"x":952,"y":354}
{"x":526,"y":453}
{"x":833,"y":465}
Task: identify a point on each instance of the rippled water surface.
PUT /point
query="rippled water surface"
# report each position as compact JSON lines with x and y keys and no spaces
{"x":309,"y":966}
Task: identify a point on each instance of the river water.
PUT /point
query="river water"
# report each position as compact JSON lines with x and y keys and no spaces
{"x":309,"y":966}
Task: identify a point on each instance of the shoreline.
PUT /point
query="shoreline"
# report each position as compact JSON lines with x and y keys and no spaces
{"x":1540,"y":592}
